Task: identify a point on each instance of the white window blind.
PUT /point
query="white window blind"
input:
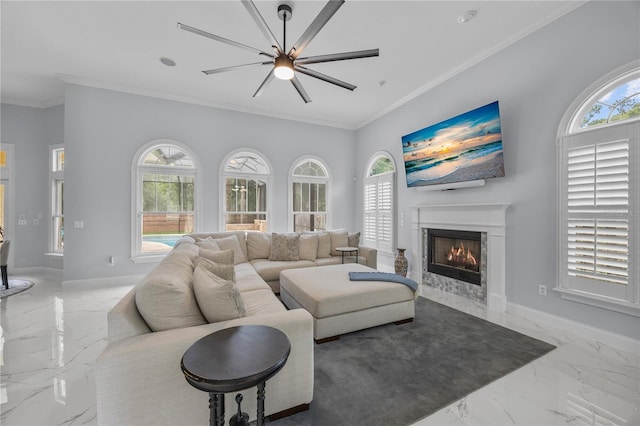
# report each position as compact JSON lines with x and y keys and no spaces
{"x":378,"y":211}
{"x":597,"y":191}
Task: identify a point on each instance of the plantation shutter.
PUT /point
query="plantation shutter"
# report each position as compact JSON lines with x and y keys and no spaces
{"x":378,"y":211}
{"x":598,"y":182}
{"x":597,"y":202}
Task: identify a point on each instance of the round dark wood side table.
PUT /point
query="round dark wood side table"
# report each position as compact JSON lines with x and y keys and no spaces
{"x":235,"y":359}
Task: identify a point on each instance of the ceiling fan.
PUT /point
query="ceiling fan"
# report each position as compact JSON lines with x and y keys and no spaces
{"x":287,"y":63}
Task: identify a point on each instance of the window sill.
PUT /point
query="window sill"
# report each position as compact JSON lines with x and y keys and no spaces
{"x":54,"y":255}
{"x":154,"y":258}
{"x":603,"y":302}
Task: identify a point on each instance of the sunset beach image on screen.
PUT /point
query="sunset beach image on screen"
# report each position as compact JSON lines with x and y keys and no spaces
{"x":464,"y":148}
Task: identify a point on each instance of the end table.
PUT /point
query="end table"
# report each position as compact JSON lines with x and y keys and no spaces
{"x":235,"y":359}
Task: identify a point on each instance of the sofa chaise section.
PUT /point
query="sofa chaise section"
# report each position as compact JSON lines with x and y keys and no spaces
{"x":138,"y":375}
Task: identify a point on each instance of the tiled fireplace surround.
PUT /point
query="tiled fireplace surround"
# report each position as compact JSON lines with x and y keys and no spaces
{"x":488,"y":219}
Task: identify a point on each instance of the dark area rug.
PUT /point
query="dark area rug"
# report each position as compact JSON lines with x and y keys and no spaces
{"x":396,"y":375}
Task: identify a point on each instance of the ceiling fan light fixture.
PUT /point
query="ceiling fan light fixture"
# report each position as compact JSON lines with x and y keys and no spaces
{"x":283,"y":68}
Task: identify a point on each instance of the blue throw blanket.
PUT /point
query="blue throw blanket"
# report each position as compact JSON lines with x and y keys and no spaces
{"x":383,"y":276}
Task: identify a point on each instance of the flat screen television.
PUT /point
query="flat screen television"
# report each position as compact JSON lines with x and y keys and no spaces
{"x":464,"y":148}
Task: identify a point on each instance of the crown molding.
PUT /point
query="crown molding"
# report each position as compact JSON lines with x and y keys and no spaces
{"x":98,"y":84}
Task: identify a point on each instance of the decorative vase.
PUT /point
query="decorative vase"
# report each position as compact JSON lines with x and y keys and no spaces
{"x":401,"y":263}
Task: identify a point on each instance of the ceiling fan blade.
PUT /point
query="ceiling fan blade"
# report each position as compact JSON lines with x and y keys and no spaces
{"x":325,"y":77}
{"x":303,"y":94}
{"x":323,"y":17}
{"x":339,"y":56}
{"x":264,"y":84}
{"x":222,"y":39}
{"x":257,"y":17}
{"x":231,"y":68}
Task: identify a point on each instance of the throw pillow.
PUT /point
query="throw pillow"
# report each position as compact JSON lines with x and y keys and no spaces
{"x":165,"y":296}
{"x":232,"y":243}
{"x":218,"y":299}
{"x":354,"y":239}
{"x":338,"y":239}
{"x":221,"y":256}
{"x":258,"y":245}
{"x":285,"y":246}
{"x":185,"y":240}
{"x":208,"y":243}
{"x":226,"y":272}
{"x":324,"y":245}
{"x":308,"y":247}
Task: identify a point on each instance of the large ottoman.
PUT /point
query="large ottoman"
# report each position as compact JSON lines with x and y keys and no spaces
{"x":339,"y":305}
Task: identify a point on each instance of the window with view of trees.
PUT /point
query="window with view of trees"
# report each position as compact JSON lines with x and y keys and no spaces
{"x":308,"y":185}
{"x":379,"y":203}
{"x":246,"y":183}
{"x":166,"y":208}
{"x":599,"y":226}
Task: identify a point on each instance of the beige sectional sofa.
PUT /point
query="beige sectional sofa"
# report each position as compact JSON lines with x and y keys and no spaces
{"x":256,"y":247}
{"x":138,"y":376}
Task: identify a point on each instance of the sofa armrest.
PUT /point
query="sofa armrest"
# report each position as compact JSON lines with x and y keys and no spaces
{"x":139,"y":380}
{"x":371,"y":254}
{"x":124,"y":320}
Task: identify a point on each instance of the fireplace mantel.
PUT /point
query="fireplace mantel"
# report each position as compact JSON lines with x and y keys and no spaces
{"x":489,"y":218}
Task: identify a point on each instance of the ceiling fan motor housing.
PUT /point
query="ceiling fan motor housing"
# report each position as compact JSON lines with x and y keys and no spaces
{"x":284,"y":12}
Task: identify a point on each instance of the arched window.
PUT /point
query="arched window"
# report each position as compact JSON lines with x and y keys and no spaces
{"x":379,"y":203}
{"x":165,"y":183}
{"x":246,"y":177}
{"x":598,"y":194}
{"x":308,"y":198}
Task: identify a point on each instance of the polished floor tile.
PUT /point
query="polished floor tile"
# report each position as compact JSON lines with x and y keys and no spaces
{"x":51,"y":336}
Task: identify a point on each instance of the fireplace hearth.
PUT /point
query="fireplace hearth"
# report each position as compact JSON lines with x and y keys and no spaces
{"x":454,"y":254}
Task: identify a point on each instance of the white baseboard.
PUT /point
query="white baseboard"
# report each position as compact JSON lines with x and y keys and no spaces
{"x":35,"y":270}
{"x":588,"y":332}
{"x":122,"y":280}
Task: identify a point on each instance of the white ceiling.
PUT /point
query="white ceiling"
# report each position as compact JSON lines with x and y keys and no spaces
{"x":117,"y":45}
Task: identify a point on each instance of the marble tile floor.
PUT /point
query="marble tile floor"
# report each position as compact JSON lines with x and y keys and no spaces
{"x":51,"y":336}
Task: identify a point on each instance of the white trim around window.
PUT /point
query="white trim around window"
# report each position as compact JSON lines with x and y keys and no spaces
{"x":598,"y":238}
{"x":137,"y":170}
{"x":327,"y":180}
{"x":266,"y":176}
{"x":379,"y":206}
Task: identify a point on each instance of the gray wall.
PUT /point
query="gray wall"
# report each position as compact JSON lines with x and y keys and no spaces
{"x":31,"y":130}
{"x":103,"y":131}
{"x":535,"y":80}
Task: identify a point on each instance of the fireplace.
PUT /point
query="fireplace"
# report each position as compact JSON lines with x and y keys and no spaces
{"x":454,"y":254}
{"x":490,"y":220}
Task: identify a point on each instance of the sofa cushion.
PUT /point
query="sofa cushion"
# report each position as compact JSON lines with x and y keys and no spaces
{"x":338,"y":239}
{"x":331,"y":260}
{"x":165,"y":297}
{"x":218,"y":299}
{"x":226,"y":272}
{"x":220,"y":256}
{"x":285,"y":246}
{"x":232,"y":243}
{"x":269,"y":270}
{"x":259,"y":302}
{"x":353,"y":239}
{"x":308,"y":247}
{"x":258,"y":245}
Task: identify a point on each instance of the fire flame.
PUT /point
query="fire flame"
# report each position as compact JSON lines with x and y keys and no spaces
{"x":461,"y":255}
